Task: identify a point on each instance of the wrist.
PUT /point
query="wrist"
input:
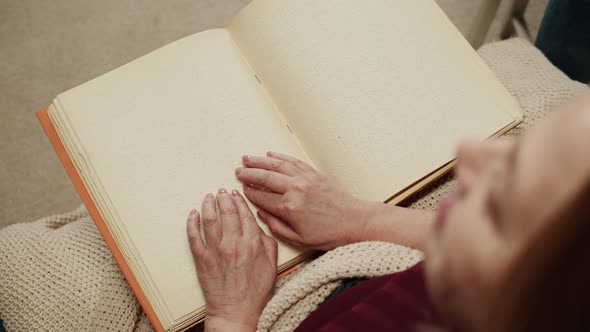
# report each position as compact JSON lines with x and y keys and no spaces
{"x":369,"y":217}
{"x":390,"y":223}
{"x":361,"y":215}
{"x":221,"y":323}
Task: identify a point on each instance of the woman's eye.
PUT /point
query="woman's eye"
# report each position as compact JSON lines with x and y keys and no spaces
{"x":494,"y":210}
{"x":494,"y":203}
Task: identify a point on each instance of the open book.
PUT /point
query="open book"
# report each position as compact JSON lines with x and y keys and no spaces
{"x":376,"y":94}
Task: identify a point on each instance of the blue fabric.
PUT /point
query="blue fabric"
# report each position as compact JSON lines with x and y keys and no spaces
{"x":564,"y":37}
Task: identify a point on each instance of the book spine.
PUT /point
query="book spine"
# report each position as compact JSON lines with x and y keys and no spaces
{"x":97,"y":218}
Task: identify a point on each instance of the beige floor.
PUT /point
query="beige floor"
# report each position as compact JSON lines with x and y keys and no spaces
{"x":47,"y":47}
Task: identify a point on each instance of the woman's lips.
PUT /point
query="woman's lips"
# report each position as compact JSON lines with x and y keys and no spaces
{"x":443,"y":209}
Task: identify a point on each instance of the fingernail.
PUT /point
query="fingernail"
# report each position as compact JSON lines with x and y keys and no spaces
{"x":193,"y":211}
{"x":209,"y":195}
{"x":245,"y":158}
{"x":269,"y":153}
{"x":238,"y":170}
{"x":234,"y":193}
{"x":222,"y":191}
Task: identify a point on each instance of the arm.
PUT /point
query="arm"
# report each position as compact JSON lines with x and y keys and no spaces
{"x":304,"y":208}
{"x":220,"y":324}
{"x":390,"y":223}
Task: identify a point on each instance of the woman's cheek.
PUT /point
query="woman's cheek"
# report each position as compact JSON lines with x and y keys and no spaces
{"x":441,"y":287}
{"x":436,"y":265}
{"x":451,"y":245}
{"x":447,"y":246}
{"x":433,"y":271}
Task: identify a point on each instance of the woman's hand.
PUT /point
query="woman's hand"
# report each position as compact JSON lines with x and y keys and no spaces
{"x":236,"y":262}
{"x":301,"y":206}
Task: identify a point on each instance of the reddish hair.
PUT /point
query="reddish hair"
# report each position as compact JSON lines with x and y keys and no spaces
{"x":548,"y":288}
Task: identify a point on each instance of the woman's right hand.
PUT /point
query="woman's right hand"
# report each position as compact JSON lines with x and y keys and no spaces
{"x":301,"y":206}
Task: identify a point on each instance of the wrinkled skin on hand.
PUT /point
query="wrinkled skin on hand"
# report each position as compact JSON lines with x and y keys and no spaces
{"x":301,"y":206}
{"x":236,"y":262}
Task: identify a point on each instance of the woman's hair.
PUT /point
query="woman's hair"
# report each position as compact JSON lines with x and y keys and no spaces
{"x":548,"y":287}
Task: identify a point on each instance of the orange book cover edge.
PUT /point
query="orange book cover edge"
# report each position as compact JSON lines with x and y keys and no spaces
{"x":99,"y":221}
{"x":95,"y":214}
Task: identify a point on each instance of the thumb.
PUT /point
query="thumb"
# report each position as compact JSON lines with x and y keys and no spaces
{"x":272,"y":249}
{"x":278,"y":227}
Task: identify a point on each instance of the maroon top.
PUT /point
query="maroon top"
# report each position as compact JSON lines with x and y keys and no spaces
{"x":396,"y":302}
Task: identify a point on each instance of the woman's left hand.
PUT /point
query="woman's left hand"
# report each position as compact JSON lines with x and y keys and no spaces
{"x":236,"y":262}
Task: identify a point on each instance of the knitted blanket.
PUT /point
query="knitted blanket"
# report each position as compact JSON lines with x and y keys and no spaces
{"x":56,"y":274}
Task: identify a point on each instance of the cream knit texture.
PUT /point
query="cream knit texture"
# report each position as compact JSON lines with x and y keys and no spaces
{"x":313,"y":282}
{"x":56,"y":274}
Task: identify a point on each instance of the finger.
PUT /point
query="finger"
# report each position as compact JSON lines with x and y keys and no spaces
{"x":264,"y":199}
{"x":250,"y":227}
{"x":273,"y":181}
{"x":211,"y":226}
{"x":228,"y":213}
{"x":272,"y":249}
{"x":271,"y":164}
{"x":194,"y":234}
{"x":300,"y":164}
{"x":278,"y":227}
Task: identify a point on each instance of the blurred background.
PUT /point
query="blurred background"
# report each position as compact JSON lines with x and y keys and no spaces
{"x":47,"y":47}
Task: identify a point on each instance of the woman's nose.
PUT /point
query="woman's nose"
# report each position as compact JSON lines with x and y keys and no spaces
{"x":470,"y":158}
{"x":472,"y":155}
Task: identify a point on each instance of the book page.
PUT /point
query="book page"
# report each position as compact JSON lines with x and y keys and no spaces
{"x":379,"y":92}
{"x":154,"y":137}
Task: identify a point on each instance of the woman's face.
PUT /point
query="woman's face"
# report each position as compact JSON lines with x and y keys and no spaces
{"x":507,"y":190}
